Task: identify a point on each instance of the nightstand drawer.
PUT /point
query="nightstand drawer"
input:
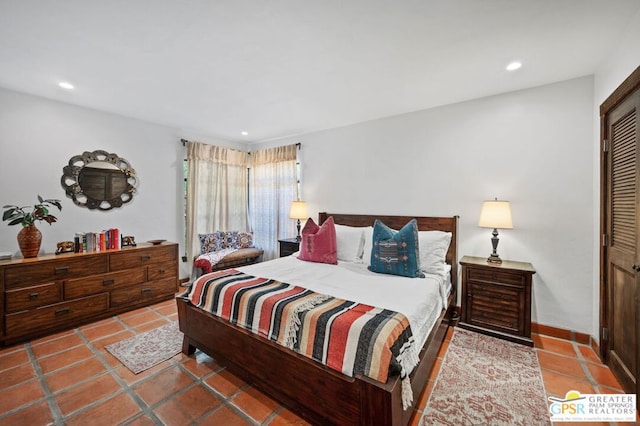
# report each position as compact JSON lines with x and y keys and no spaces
{"x":496,"y":277}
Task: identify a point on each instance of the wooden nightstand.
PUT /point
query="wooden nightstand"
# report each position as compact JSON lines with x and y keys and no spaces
{"x":288,"y":246}
{"x":496,"y":298}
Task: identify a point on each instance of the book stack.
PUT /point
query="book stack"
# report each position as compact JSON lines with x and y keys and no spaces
{"x":97,"y":241}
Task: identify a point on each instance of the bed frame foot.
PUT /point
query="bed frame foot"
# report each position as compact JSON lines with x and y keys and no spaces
{"x":187,"y":347}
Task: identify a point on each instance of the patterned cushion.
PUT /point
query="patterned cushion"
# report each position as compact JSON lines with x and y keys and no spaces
{"x":396,"y":252}
{"x":318,"y":243}
{"x":210,"y":242}
{"x":245,"y":239}
{"x":229,"y":239}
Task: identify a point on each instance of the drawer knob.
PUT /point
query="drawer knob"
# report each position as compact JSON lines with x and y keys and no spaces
{"x":33,"y":296}
{"x":636,"y":267}
{"x":145,"y":291}
{"x":494,"y":277}
{"x":63,"y":311}
{"x":146,"y":257}
{"x":108,"y":281}
{"x":161,"y":271}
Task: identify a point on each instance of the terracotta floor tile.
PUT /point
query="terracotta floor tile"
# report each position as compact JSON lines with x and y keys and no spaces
{"x":73,"y":399}
{"x":187,"y":407}
{"x":561,"y":364}
{"x":37,"y":414}
{"x":141,"y":318}
{"x":551,"y":344}
{"x":558,"y":385}
{"x":255,"y":404}
{"x":141,"y":421}
{"x":16,"y":375}
{"x":443,"y":349}
{"x":54,"y":346}
{"x":163,"y":305}
{"x":435,"y":369}
{"x":103,"y":330}
{"x":224,"y":416}
{"x":424,"y":396}
{"x":603,"y":376}
{"x":168,"y":310}
{"x":64,"y":378}
{"x":173,"y":317}
{"x":134,"y":313}
{"x":415,"y":418}
{"x":201,"y":368}
{"x":52,"y":337}
{"x":130,"y":378}
{"x":97,"y":324}
{"x":162,"y":385}
{"x":65,"y":358}
{"x":150,"y":325}
{"x":101,"y":343}
{"x":286,"y":417}
{"x":10,"y":349}
{"x":110,"y":412}
{"x":20,"y":395}
{"x":225,"y":383}
{"x":14,"y":358}
{"x":588,"y":354}
{"x":449,"y":334}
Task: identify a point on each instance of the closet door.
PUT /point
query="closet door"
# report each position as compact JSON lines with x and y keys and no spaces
{"x":620,"y":277}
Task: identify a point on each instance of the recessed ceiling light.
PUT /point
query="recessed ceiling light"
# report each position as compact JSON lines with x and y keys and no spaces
{"x":244,"y":133}
{"x":513,"y":66}
{"x":66,"y":85}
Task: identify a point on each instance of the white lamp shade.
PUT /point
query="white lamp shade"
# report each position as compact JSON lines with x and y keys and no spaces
{"x":495,"y":214}
{"x":298,"y":210}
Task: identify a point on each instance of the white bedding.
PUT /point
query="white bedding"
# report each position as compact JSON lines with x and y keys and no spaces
{"x":421,"y":300}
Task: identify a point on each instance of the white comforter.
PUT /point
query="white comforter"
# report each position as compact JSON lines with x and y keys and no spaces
{"x":421,"y":300}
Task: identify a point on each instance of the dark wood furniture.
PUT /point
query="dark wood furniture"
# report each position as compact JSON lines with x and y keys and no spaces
{"x":315,"y":392}
{"x":50,"y":293}
{"x":496,"y":298}
{"x":288,"y":246}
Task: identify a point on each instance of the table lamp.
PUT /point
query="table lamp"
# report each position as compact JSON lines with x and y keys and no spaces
{"x":298,"y":211}
{"x":497,"y":215}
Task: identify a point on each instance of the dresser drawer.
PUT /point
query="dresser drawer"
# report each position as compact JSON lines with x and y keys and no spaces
{"x":81,"y":287}
{"x":60,"y":269}
{"x":53,"y":316}
{"x":142,"y":292}
{"x":32,"y":297}
{"x":159,"y":272}
{"x":496,"y":277}
{"x":139,"y":257}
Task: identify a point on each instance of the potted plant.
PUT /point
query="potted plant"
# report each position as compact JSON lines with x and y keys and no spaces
{"x":29,"y":237}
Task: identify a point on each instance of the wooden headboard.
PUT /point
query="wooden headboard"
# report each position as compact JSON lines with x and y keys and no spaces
{"x":447,"y":224}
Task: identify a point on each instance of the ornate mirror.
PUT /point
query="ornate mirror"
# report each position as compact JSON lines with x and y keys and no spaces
{"x":99,"y":180}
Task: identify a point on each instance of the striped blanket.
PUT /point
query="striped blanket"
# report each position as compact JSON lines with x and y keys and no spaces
{"x":349,"y":337}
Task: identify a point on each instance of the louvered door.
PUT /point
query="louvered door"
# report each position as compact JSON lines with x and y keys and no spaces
{"x":621,"y":243}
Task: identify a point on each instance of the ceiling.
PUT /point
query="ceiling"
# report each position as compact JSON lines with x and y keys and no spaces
{"x":285,"y":67}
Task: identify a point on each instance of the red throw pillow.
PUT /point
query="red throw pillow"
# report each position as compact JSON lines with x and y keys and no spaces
{"x":318,"y":243}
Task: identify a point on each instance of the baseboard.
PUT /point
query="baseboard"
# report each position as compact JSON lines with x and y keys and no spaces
{"x":562,"y":333}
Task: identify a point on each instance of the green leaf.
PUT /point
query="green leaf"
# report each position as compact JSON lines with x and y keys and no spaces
{"x":16,"y":221}
{"x":40,"y":200}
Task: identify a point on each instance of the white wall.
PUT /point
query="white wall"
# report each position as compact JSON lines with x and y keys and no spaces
{"x":532,"y":147}
{"x":39,"y":136}
{"x":623,"y":59}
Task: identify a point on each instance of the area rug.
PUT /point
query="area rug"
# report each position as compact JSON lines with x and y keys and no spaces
{"x":141,"y":352}
{"x":487,"y":381}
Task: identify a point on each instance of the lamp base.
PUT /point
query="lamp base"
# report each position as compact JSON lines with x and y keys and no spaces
{"x":494,"y":258}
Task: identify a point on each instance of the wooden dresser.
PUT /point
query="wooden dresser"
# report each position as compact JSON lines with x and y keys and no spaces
{"x":496,"y":298}
{"x":49,"y":293}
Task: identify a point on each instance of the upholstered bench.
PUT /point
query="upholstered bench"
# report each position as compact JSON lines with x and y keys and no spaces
{"x":223,"y":250}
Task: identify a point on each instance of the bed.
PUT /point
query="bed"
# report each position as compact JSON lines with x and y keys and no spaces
{"x":315,"y":392}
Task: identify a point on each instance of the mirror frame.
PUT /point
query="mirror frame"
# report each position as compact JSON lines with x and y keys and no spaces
{"x":71,"y":184}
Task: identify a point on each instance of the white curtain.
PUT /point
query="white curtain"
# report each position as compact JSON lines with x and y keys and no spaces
{"x":273,"y":186}
{"x":217,"y":192}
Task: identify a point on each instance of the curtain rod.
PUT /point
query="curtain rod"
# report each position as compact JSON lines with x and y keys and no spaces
{"x":184,"y":142}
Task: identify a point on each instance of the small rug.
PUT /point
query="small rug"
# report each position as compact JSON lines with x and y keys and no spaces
{"x":141,"y":352}
{"x":487,"y":381}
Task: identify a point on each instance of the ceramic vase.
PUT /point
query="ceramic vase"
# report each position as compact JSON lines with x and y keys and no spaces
{"x":29,"y":240}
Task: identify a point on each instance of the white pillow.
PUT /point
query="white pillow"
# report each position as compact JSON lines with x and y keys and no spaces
{"x":433,"y":246}
{"x":368,"y":245}
{"x":349,"y":240}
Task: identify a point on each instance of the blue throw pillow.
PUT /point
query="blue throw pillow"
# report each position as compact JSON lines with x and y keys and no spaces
{"x":396,"y":252}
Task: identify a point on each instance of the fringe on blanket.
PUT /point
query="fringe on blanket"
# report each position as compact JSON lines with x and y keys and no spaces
{"x":293,"y":321}
{"x":407,"y":358}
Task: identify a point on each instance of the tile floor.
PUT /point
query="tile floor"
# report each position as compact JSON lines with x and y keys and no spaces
{"x":69,"y":378}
